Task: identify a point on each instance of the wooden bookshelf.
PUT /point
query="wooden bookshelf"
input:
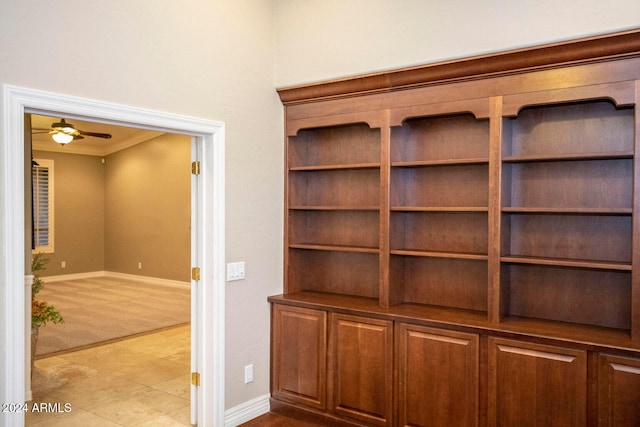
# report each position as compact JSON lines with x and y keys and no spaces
{"x":491,"y":216}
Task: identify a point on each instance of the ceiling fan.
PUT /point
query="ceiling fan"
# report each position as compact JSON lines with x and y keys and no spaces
{"x":63,"y":132}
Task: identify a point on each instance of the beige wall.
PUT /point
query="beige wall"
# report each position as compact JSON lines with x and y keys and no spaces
{"x":78,"y":215}
{"x":327,"y":39}
{"x":148,"y":209}
{"x":209,"y":59}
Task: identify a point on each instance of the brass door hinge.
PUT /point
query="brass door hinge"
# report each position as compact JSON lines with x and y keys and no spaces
{"x":195,"y":168}
{"x":195,"y":378}
{"x":195,"y":273}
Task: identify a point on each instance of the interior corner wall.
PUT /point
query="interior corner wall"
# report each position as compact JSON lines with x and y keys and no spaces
{"x":329,"y":39}
{"x":133,"y":208}
{"x":148,"y":209}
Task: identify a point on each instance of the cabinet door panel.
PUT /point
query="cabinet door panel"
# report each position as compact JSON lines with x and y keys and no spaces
{"x":299,"y":339}
{"x":536,"y":385}
{"x":618,"y":391}
{"x":437,"y":377}
{"x":362,"y":363}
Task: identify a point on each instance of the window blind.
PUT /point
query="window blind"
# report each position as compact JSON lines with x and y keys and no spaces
{"x":42,"y":175}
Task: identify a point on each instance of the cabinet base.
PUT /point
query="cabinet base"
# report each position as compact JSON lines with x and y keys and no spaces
{"x":304,"y":414}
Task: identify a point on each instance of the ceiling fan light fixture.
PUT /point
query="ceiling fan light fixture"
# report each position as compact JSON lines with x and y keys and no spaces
{"x":63,"y":126}
{"x":63,"y":133}
{"x":62,"y":137}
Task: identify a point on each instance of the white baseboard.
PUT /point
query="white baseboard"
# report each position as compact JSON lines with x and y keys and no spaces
{"x":247,"y":411}
{"x":113,"y":274}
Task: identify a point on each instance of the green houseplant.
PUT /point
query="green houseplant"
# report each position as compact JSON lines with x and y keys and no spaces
{"x":41,"y":311}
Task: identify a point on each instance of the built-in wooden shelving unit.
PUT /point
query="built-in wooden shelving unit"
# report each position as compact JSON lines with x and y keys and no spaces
{"x":483,"y":204}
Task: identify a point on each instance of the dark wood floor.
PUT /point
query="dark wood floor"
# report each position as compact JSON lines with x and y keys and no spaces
{"x":276,"y":420}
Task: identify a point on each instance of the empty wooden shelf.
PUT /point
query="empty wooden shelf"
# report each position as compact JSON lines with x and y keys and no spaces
{"x":458,"y":231}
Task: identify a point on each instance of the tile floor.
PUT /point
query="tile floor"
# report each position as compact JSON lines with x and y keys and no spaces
{"x":141,"y":381}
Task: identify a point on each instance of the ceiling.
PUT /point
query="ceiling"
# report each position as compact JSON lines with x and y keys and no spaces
{"x":122,"y":137}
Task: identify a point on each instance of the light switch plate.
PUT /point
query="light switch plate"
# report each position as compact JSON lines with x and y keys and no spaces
{"x":235,"y":271}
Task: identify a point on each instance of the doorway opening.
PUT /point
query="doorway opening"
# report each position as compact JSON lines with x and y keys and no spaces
{"x":207,"y":248}
{"x":118,"y":271}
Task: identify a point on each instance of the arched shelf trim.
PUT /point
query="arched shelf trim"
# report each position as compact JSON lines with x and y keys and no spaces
{"x":373,"y":120}
{"x":479,"y":108}
{"x":621,"y":94}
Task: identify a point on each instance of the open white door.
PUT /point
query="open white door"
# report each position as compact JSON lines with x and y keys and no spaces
{"x":196,"y":150}
{"x":208,"y":279}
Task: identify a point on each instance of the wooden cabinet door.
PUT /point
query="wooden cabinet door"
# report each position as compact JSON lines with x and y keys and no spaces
{"x":437,"y":377}
{"x":618,"y":391}
{"x":536,"y":385}
{"x":361,"y":380}
{"x":299,"y":350}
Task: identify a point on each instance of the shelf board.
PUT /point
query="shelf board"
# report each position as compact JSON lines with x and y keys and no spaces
{"x":439,"y":254}
{"x":333,"y":208}
{"x":336,"y":167}
{"x":441,"y":162}
{"x":439,"y":209}
{"x":335,"y":248}
{"x":564,"y":262}
{"x":573,"y":332}
{"x":569,"y":211}
{"x":568,"y":157}
{"x":455,"y":318}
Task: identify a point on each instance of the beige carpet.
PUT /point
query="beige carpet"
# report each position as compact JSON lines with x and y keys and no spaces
{"x":104,"y":309}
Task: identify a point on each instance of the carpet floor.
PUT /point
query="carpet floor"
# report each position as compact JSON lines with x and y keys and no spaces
{"x":104,"y":309}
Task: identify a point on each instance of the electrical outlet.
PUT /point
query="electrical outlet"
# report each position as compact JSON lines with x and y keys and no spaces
{"x":63,"y":264}
{"x":248,"y":374}
{"x":235,"y":271}
{"x":139,"y":266}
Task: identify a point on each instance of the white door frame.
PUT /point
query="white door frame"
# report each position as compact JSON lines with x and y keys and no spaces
{"x":208,"y":148}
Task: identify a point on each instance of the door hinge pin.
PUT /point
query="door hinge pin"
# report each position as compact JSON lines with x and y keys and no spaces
{"x":195,"y":378}
{"x":195,"y":168}
{"x":195,"y":273}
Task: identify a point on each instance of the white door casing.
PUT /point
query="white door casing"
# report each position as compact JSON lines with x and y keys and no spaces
{"x":208,"y":239}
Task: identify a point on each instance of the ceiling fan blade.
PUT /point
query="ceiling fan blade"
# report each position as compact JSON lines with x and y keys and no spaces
{"x":95,"y":134}
{"x":40,"y":131}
